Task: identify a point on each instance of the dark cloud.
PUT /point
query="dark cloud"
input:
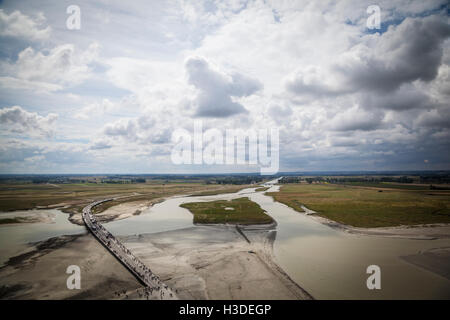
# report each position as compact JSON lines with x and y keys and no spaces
{"x":356,"y":119}
{"x":405,"y":98}
{"x":216,"y":89}
{"x":411,"y":51}
{"x":405,"y":53}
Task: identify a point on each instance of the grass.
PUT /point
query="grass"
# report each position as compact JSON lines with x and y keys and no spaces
{"x":368,"y":207}
{"x":213,"y":212}
{"x":391,"y":185}
{"x":261,"y":189}
{"x":76,"y":196}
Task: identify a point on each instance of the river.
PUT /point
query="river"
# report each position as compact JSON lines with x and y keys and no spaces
{"x":328,"y":263}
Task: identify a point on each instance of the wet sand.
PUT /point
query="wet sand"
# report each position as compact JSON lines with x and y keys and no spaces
{"x":40,"y":273}
{"x":118,"y":212}
{"x":202,"y":262}
{"x":216,"y":262}
{"x":27,"y":216}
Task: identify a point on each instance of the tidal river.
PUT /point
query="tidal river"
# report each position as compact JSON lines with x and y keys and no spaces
{"x":328,"y":263}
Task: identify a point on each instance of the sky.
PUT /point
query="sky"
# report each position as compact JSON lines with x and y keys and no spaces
{"x":107,"y":97}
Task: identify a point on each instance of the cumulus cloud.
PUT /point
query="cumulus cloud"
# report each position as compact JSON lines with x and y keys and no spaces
{"x":434,"y":118}
{"x":407,"y":97}
{"x":101,"y":144}
{"x":95,"y":109}
{"x":17,"y":120}
{"x":62,"y":66}
{"x":16,"y":24}
{"x":356,"y":118}
{"x":280,"y":113}
{"x":343,"y":97}
{"x":382,"y":63}
{"x":122,"y":128}
{"x":407,"y":52}
{"x":216,"y":89}
{"x":146,"y":129}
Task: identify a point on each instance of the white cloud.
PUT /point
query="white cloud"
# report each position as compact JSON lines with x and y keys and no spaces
{"x":341,"y":96}
{"x":19,"y":25}
{"x":17,"y":120}
{"x":62,"y":66}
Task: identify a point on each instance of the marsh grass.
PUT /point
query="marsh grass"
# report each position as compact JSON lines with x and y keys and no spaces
{"x":368,"y":207}
{"x":214,"y":212}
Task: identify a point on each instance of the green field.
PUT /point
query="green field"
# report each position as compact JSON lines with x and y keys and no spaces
{"x":76,"y":196}
{"x":369,"y":206}
{"x":245,"y":212}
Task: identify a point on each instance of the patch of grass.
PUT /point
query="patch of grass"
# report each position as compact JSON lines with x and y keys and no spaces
{"x":391,"y":185}
{"x":261,"y":189}
{"x":213,"y":212}
{"x":367,"y":207}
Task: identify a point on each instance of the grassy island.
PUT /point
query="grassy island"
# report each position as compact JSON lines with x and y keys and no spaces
{"x":237,"y":211}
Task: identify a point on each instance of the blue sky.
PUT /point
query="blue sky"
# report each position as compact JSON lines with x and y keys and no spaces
{"x":107,"y":97}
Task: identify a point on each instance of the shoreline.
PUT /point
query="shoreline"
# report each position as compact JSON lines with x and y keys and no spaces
{"x":419,"y":232}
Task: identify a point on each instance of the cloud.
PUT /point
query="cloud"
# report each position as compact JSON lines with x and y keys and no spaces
{"x":405,"y":53}
{"x":95,"y":109}
{"x":279,"y":113}
{"x":122,"y":128}
{"x":434,"y":119}
{"x":62,"y":66}
{"x":19,"y":25}
{"x":101,"y":144}
{"x":216,"y":89}
{"x":379,"y":63}
{"x":407,"y":97}
{"x":356,"y":118}
{"x":146,"y":129}
{"x":17,"y":120}
{"x":342,"y":97}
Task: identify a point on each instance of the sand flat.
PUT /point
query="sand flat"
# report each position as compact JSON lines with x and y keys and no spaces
{"x":215,"y":262}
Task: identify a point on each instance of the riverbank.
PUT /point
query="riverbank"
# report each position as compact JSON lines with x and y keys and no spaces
{"x":419,"y":232}
{"x":363,"y":207}
{"x":118,"y":212}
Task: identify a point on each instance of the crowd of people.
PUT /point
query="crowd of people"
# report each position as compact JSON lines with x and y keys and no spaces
{"x":155,"y":288}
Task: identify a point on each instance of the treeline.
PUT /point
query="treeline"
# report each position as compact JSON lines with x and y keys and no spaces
{"x":422,"y":179}
{"x":234,"y":180}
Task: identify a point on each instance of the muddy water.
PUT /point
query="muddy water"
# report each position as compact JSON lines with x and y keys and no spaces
{"x":328,"y":263}
{"x":15,"y":237}
{"x":166,"y":215}
{"x":331,"y":264}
